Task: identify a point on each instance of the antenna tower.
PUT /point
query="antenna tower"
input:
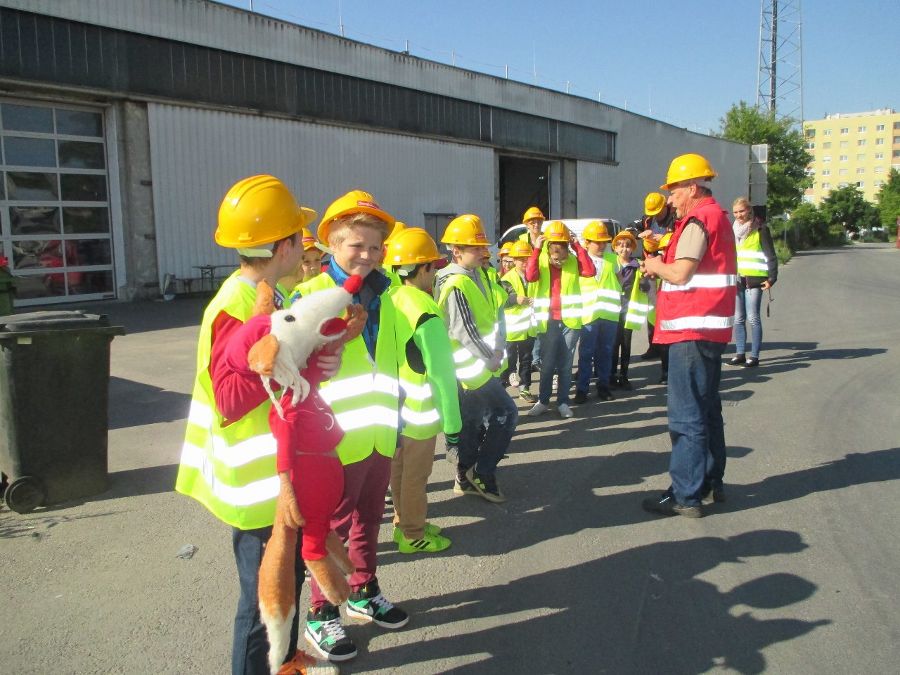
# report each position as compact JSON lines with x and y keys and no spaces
{"x":779,"y":82}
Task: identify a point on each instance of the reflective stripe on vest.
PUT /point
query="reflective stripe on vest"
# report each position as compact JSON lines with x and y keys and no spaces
{"x":570,"y":297}
{"x":751,"y":260}
{"x":639,"y":305}
{"x":420,"y":417}
{"x":364,"y":396}
{"x":471,"y":369}
{"x":702,"y":281}
{"x":520,"y":323}
{"x":229,"y":469}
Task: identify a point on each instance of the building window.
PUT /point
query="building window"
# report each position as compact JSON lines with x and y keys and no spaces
{"x":55,"y":208}
{"x":842,"y":172}
{"x":826,"y":172}
{"x":861,"y":158}
{"x":827,"y":132}
{"x":826,"y":145}
{"x":810,"y":146}
{"x":897,"y":125}
{"x":826,"y":159}
{"x":861,"y":141}
{"x":879,"y":127}
{"x":845,"y":144}
{"x":861,"y":184}
{"x":879,"y":141}
{"x":896,"y":140}
{"x":842,"y":185}
{"x":810,"y":133}
{"x":879,"y":183}
{"x":879,"y":155}
{"x":843,"y":158}
{"x":826,"y":186}
{"x":861,"y":130}
{"x":879,"y":169}
{"x":860,"y":169}
{"x":845,"y":130}
{"x":896,"y":153}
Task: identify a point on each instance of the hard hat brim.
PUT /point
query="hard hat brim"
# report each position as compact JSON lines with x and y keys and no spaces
{"x":324,"y":228}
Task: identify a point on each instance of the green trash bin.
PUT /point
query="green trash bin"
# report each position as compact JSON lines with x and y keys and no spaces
{"x":54,"y":391}
{"x":7,"y":291}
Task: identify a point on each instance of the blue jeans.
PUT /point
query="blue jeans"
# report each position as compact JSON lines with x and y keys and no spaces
{"x":746,"y":310}
{"x":492,"y":402}
{"x":250,"y":648}
{"x":695,"y":419}
{"x":595,"y":354}
{"x":557,"y":354}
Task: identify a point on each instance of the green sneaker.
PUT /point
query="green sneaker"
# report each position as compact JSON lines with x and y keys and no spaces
{"x":325,"y":634}
{"x":430,"y":543}
{"x":433,"y":530}
{"x":368,"y":604}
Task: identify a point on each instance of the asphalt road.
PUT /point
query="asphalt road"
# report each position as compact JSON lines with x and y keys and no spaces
{"x":797,"y":573}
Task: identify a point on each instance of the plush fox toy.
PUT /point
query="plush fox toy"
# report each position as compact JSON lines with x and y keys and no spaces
{"x":311,"y":475}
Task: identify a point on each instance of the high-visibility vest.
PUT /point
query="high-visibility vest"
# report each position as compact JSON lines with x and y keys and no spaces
{"x":569,"y":294}
{"x":703,"y":308}
{"x":519,"y":318}
{"x":602,"y":293}
{"x":471,"y":369}
{"x":364,"y":395}
{"x":491,"y":279}
{"x":395,"y":279}
{"x":639,"y":305}
{"x":229,"y":469}
{"x":751,"y":260}
{"x":421,"y":418}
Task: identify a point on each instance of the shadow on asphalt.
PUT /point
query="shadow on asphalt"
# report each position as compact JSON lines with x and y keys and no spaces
{"x":134,"y":404}
{"x":644,"y":610}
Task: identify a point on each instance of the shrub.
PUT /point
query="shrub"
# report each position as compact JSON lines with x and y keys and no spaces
{"x":782,"y":251}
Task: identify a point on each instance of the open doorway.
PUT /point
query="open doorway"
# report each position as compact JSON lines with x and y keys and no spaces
{"x":523,"y":183}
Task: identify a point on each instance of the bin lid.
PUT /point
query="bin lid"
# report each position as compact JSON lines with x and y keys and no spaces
{"x":56,"y":320}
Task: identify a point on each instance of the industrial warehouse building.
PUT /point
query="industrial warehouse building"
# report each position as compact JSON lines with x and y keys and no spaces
{"x":123,"y":122}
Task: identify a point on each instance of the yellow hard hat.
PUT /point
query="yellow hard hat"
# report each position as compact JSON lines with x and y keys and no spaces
{"x":465,"y":230}
{"x":556,"y":232}
{"x":259,"y":210}
{"x":653,"y":203}
{"x":505,"y":248}
{"x":686,"y":167}
{"x":666,"y":238}
{"x":355,"y":201}
{"x":520,"y":249}
{"x":533,"y":212}
{"x":398,"y":228}
{"x":651,"y":245}
{"x":625,"y":234}
{"x":596,"y":231}
{"x":307,"y":238}
{"x":412,"y":246}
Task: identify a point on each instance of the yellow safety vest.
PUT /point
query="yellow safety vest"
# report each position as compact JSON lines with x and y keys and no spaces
{"x":751,"y":260}
{"x":421,"y":418}
{"x":519,"y":318}
{"x":603,"y":297}
{"x":569,"y":292}
{"x":364,"y":395}
{"x":229,"y":469}
{"x":388,"y":271}
{"x":639,"y":305}
{"x":471,"y":369}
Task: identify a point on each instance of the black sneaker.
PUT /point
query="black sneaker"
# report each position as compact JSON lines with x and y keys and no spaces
{"x":665,"y":505}
{"x":713,"y":496}
{"x":486,"y":486}
{"x":580,"y":397}
{"x":368,"y":604}
{"x":624,"y":383}
{"x":325,"y":633}
{"x":604,"y":394}
{"x":650,"y":354}
{"x":751,"y":362}
{"x":738,"y":360}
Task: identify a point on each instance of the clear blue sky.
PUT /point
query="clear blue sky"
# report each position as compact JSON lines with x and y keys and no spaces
{"x":681,"y":62}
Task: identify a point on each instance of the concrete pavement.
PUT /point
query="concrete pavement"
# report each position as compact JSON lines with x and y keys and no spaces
{"x":796,"y":573}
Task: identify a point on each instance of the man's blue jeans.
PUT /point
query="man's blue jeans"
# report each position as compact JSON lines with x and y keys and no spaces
{"x":595,"y":354}
{"x":250,"y":648}
{"x":557,"y":354}
{"x":746,"y":310}
{"x":695,"y":419}
{"x":492,"y":402}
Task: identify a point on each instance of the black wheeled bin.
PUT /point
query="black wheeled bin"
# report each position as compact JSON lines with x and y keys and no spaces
{"x":54,"y":390}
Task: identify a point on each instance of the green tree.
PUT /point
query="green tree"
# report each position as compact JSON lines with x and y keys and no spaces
{"x":846,"y":206}
{"x":888,"y":198}
{"x":788,"y":158}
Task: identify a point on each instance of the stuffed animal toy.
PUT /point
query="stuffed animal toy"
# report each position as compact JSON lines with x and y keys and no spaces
{"x":311,"y":475}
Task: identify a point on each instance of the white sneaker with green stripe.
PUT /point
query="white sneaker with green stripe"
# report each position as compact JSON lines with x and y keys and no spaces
{"x":368,"y":604}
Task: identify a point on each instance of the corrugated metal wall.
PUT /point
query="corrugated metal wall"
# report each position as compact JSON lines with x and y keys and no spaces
{"x":198,"y":154}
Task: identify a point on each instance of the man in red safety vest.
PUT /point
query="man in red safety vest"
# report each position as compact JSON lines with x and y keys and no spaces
{"x":694,"y":316}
